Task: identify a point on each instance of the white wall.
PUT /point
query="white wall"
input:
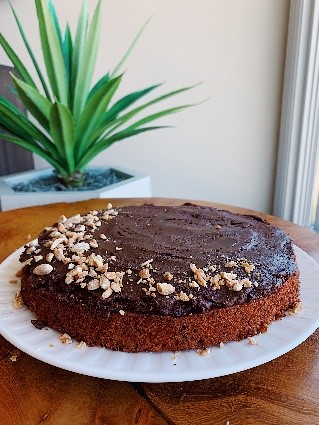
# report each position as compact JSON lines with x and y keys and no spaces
{"x":225,"y":149}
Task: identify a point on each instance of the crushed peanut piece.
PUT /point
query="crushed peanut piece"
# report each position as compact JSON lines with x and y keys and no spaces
{"x":43,"y":269}
{"x":230,"y":264}
{"x":147,"y":263}
{"x":81,"y":345}
{"x":18,"y":301}
{"x":19,"y":272}
{"x":144,"y":273}
{"x":252,"y":340}
{"x":13,"y":281}
{"x":168,"y":276}
{"x":248,"y":267}
{"x":107,"y":293}
{"x":182,"y":296}
{"x":297,"y":308}
{"x":165,"y":288}
{"x":13,"y":358}
{"x":49,"y":257}
{"x":66,"y":339}
{"x":204,"y":352}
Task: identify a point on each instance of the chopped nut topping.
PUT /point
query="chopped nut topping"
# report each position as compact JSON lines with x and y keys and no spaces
{"x":80,"y":246}
{"x":116,"y":286}
{"x":102,"y":236}
{"x":62,"y":219}
{"x":19,"y":272}
{"x":297,"y":308}
{"x":57,"y":242}
{"x":231,"y":264}
{"x":61,"y":228}
{"x":144,"y":273}
{"x":165,"y":288}
{"x":93,"y":243}
{"x":252,"y":340}
{"x":13,"y":281}
{"x":237,"y":286}
{"x":43,"y":269}
{"x":147,"y":263}
{"x":35,"y":242}
{"x":55,"y":234}
{"x":107,"y":293}
{"x":193,"y":284}
{"x":58,"y":253}
{"x":111,"y":275}
{"x":122,"y":312}
{"x":183,"y":296}
{"x":228,"y":276}
{"x":31,"y":249}
{"x":246,"y":283}
{"x":204,"y":352}
{"x":248,"y":267}
{"x":168,"y":276}
{"x":104,"y":282}
{"x":13,"y":358}
{"x":93,"y":284}
{"x":49,"y":257}
{"x":81,"y":345}
{"x":66,"y":339}
{"x":199,"y":275}
{"x":18,"y":301}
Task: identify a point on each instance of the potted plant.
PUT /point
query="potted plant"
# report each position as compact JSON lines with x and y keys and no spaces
{"x":70,"y":119}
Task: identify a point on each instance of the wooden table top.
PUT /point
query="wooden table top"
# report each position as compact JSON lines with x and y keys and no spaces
{"x":283,"y":391}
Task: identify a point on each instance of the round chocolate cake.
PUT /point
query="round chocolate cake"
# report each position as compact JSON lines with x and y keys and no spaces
{"x":156,"y":278}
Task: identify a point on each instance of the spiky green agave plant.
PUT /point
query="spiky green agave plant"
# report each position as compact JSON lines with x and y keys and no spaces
{"x":74,"y":121}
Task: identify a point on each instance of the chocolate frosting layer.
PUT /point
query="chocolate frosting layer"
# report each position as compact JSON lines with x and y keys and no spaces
{"x":172,"y":260}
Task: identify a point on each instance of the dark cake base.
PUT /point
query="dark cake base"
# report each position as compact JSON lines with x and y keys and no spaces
{"x":141,"y":332}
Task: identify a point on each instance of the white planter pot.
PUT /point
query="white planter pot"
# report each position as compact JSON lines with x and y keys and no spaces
{"x":135,"y":185}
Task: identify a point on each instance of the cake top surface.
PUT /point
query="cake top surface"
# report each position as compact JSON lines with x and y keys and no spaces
{"x":168,"y":260}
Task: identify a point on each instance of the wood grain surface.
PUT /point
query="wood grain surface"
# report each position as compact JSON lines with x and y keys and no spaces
{"x":284,"y":391}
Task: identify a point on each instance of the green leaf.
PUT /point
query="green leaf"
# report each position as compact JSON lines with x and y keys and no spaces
{"x":93,"y":113}
{"x":24,"y":74}
{"x":8,"y":125}
{"x":87,"y":64}
{"x":31,"y":54}
{"x":109,"y":118}
{"x":158,"y":115}
{"x":124,"y":118}
{"x":127,"y":53}
{"x":99,"y":84}
{"x":55,"y":21}
{"x":13,"y":114}
{"x":126,"y":102}
{"x":38,"y":105}
{"x":63,"y":132}
{"x":106,"y":143}
{"x":33,"y":147}
{"x":67,"y":54}
{"x":79,"y":45}
{"x":52,"y":51}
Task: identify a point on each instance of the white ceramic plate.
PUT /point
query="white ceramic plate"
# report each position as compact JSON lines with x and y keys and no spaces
{"x":45,"y":345}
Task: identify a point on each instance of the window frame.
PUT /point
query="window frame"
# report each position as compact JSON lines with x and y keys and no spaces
{"x":296,"y":185}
